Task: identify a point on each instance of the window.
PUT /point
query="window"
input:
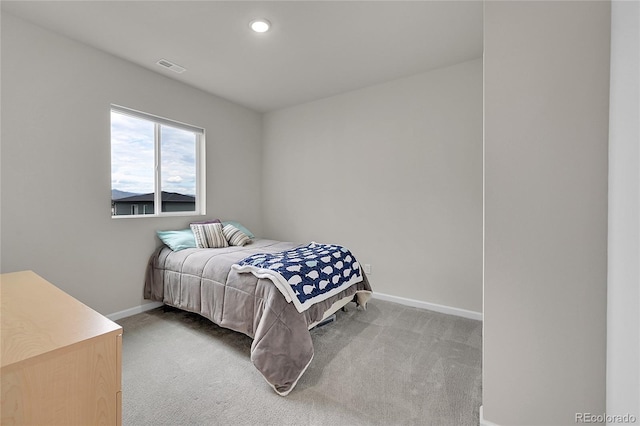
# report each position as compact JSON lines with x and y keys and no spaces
{"x":156,"y":165}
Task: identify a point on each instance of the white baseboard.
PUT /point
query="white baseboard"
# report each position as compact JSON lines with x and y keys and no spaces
{"x":484,"y":422}
{"x":135,"y":310}
{"x":429,"y":306}
{"x":396,"y":299}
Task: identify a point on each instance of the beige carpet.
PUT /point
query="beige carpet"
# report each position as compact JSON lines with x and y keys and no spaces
{"x":390,"y":364}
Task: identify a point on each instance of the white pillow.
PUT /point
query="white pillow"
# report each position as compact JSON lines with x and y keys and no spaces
{"x":209,"y":235}
{"x":234,"y":236}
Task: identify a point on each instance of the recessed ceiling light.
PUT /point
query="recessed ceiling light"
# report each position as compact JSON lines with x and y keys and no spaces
{"x":260,"y":25}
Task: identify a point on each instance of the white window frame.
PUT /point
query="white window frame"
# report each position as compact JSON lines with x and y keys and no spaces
{"x":200,"y":197}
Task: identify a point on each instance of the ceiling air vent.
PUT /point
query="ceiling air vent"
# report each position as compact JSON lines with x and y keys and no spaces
{"x":171,"y":66}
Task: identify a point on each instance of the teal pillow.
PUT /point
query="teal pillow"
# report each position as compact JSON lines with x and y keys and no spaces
{"x":178,"y":240}
{"x":240,"y":227}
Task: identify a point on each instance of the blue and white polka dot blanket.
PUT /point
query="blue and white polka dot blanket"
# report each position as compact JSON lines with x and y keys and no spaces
{"x":308,"y":274}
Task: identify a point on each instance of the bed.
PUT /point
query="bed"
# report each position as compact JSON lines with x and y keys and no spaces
{"x":205,"y":281}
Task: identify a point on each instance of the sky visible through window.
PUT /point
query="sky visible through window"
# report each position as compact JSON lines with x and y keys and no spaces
{"x":132,"y":156}
{"x":178,"y":148}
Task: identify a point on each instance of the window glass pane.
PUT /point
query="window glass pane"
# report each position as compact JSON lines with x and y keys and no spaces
{"x":154,"y":160}
{"x":132,"y":164}
{"x":178,"y":169}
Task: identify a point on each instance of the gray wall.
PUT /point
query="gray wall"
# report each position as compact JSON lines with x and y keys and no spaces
{"x":415,"y":142}
{"x":392,"y":171}
{"x":546,"y":130}
{"x":56,"y":188}
{"x":623,"y":296}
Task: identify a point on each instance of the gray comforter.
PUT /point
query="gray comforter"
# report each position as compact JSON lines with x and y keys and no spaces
{"x":202,"y":281}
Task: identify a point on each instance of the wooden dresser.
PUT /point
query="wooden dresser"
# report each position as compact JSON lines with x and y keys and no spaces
{"x":61,"y":360}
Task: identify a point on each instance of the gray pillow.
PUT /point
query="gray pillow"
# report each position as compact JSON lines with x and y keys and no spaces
{"x":209,"y":235}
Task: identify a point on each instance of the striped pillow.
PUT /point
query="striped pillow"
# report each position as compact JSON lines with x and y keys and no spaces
{"x":209,"y":235}
{"x":235,"y":236}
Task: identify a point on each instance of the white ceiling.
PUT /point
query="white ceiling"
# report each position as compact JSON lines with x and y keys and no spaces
{"x":315,"y":49}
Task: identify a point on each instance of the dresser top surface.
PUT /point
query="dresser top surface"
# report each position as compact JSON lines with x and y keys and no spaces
{"x":37,"y":317}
